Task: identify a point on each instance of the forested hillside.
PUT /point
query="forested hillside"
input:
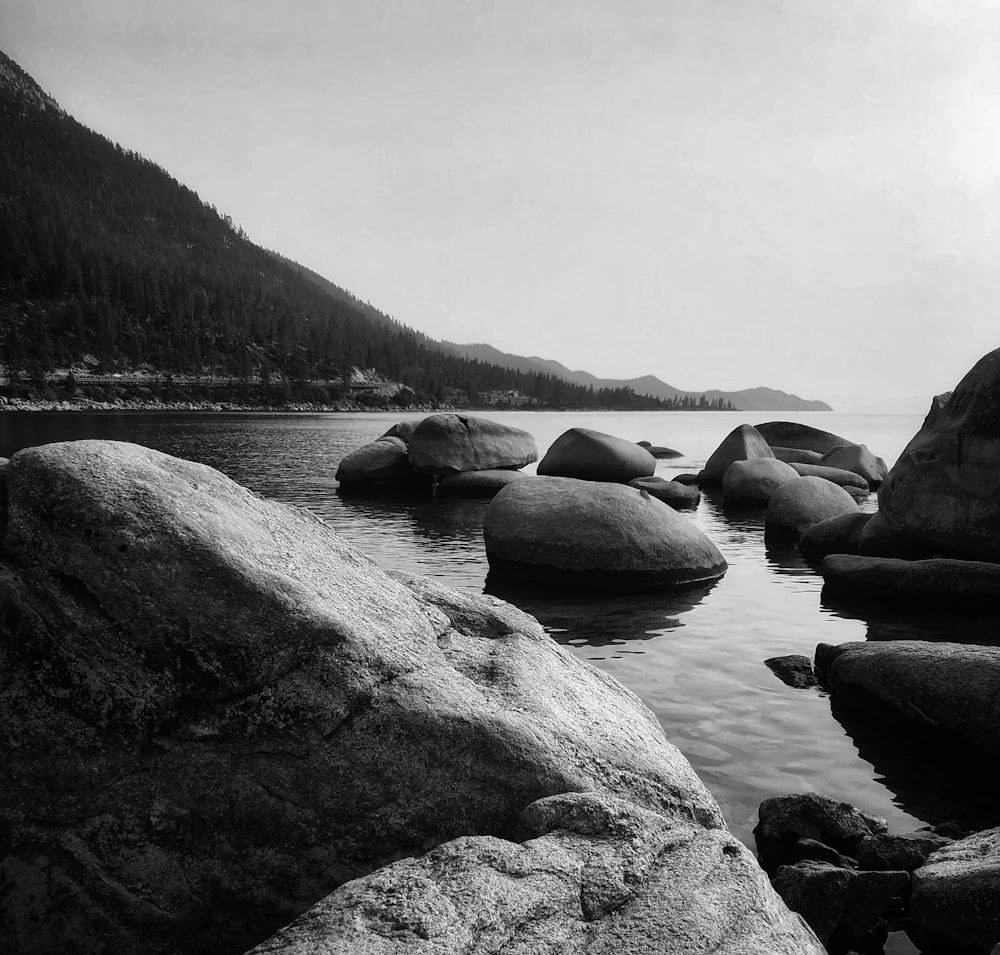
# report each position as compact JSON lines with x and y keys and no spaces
{"x":106,"y":260}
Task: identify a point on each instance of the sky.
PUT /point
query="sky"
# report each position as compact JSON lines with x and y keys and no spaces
{"x":803,"y":194}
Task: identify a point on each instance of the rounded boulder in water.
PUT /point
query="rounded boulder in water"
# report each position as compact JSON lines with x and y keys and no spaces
{"x":449,"y":443}
{"x":594,"y":456}
{"x":593,"y":535}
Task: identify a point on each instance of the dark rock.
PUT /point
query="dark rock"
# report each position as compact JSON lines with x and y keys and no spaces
{"x":381,"y":462}
{"x":857,"y":459}
{"x":587,"y":534}
{"x":478,"y":483}
{"x":213,"y":710}
{"x":846,"y":479}
{"x":798,"y":505}
{"x":812,"y":850}
{"x":686,"y":478}
{"x":659,"y":452}
{"x":595,"y":875}
{"x":674,"y":493}
{"x":835,"y":535}
{"x":593,"y":456}
{"x":445,"y":443}
{"x":841,"y":905}
{"x":956,"y":896}
{"x":885,"y":852}
{"x":796,"y":455}
{"x":754,"y":481}
{"x":940,"y":687}
{"x":945,"y":487}
{"x":784,"y":820}
{"x":789,"y":434}
{"x":402,"y":430}
{"x":973,"y":582}
{"x":879,"y":539}
{"x":741,"y":444}
{"x":794,"y":670}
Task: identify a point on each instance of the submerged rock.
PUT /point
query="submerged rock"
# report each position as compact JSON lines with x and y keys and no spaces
{"x":447,"y":443}
{"x":674,"y":493}
{"x":213,"y":711}
{"x":593,"y":535}
{"x":798,"y":505}
{"x":741,"y":444}
{"x":835,"y":535}
{"x":790,"y":434}
{"x":794,"y":670}
{"x":478,"y":483}
{"x":944,"y":688}
{"x":756,"y":480}
{"x":945,"y":487}
{"x":593,"y":456}
{"x":595,"y":875}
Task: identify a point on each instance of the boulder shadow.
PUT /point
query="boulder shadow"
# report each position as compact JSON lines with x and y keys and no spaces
{"x":600,"y":620}
{"x":943,"y":620}
{"x":931,"y":775}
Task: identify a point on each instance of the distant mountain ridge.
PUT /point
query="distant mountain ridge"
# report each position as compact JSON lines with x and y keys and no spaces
{"x":747,"y":399}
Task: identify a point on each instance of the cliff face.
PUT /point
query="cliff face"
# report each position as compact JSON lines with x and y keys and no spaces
{"x":213,"y":711}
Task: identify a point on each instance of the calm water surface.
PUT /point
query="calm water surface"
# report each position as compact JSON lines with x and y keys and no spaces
{"x":695,"y":658}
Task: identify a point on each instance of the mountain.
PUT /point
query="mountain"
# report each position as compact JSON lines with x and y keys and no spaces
{"x":108,"y":263}
{"x":748,"y":399}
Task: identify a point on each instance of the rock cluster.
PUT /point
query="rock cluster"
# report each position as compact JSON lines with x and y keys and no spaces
{"x":410,"y":456}
{"x":214,"y":712}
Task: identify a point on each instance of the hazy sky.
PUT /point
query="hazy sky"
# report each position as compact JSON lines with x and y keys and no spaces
{"x":724,"y":193}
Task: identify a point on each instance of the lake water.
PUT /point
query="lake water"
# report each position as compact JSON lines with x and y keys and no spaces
{"x":695,"y":658}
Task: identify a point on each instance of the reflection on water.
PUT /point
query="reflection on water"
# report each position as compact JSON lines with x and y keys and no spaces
{"x":696,"y":658}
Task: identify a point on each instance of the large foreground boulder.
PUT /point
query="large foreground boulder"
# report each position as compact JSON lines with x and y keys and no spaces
{"x":591,"y":535}
{"x":956,"y":896}
{"x":945,"y":688}
{"x":448,"y":443}
{"x":791,"y":434}
{"x":594,"y":456}
{"x":213,"y":711}
{"x":798,"y":505}
{"x":741,"y":444}
{"x":597,"y":875}
{"x":754,"y":481}
{"x":945,"y":487}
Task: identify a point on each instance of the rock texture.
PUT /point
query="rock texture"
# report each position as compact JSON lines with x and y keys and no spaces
{"x":586,"y":534}
{"x":945,"y":487}
{"x":754,"y":481}
{"x":598,"y":875}
{"x":741,"y":444}
{"x":956,"y":895}
{"x":941,"y":687}
{"x":794,"y":670}
{"x":446,"y":443}
{"x":213,"y":710}
{"x":593,"y":456}
{"x":790,"y":434}
{"x":798,"y":505}
{"x":969,"y":582}
{"x":674,"y":493}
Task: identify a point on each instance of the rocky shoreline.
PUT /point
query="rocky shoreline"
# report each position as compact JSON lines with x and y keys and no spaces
{"x":221,"y":726}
